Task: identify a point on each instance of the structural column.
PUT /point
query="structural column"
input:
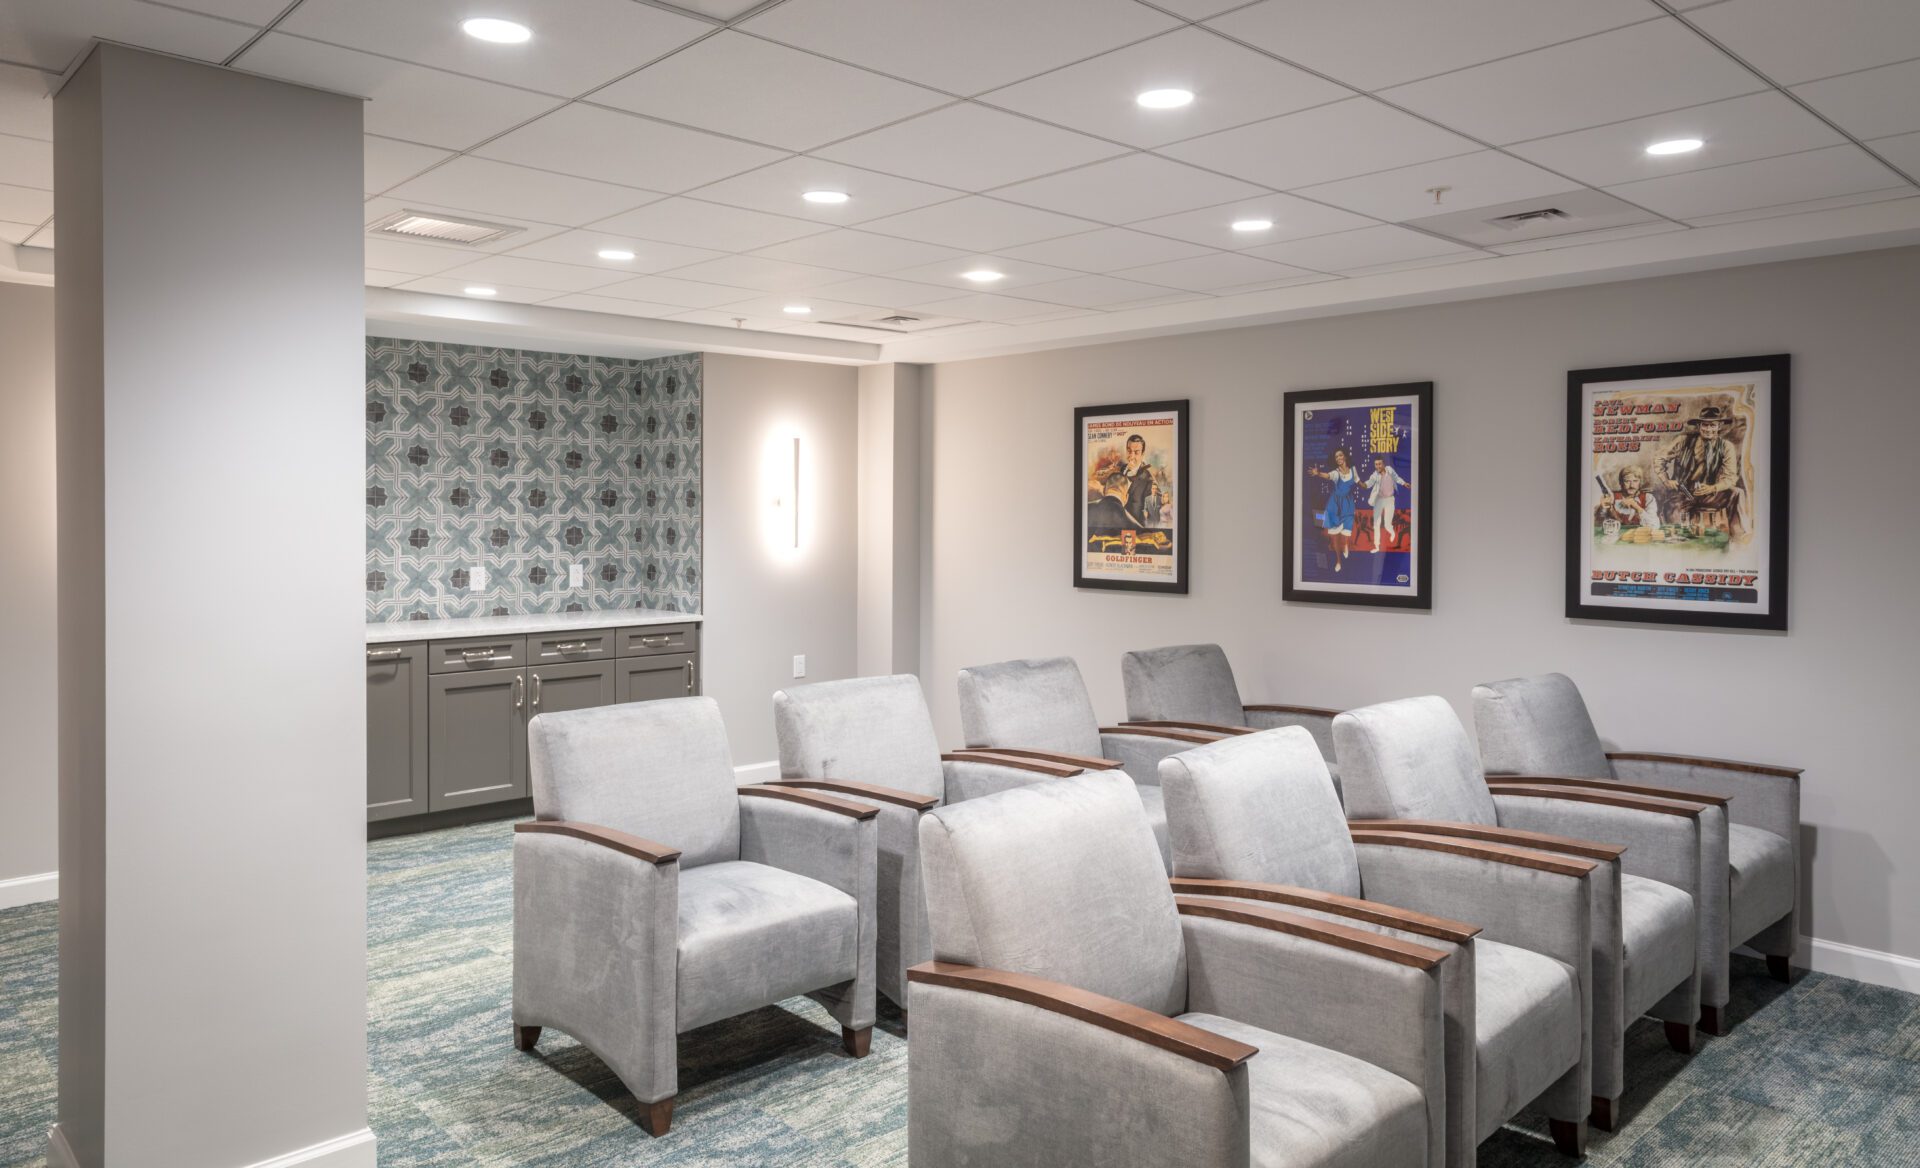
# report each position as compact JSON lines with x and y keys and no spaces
{"x":212,"y":737}
{"x":887,"y":624}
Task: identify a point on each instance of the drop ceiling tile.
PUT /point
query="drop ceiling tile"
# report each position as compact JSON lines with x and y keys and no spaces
{"x":777,"y":189}
{"x":26,"y":162}
{"x":1903,"y":151}
{"x":1121,"y":190}
{"x":619,"y":147}
{"x":255,"y":12}
{"x":978,"y":224}
{"x":1869,"y":104}
{"x":1014,"y":273}
{"x":417,"y":259}
{"x":680,"y":293}
{"x":1365,"y":248}
{"x":497,"y":188}
{"x":583,"y":247}
{"x":26,"y":102}
{"x":1627,"y":73}
{"x":1474,"y":180}
{"x":376,"y":278}
{"x":1094,"y":291}
{"x":760,"y":273}
{"x":881,"y":292}
{"x":528,"y":231}
{"x":406,"y":101}
{"x":1582,"y":238}
{"x":981,"y":306}
{"x":390,"y":161}
{"x":725,"y":318}
{"x":754,"y":89}
{"x":1793,"y":41}
{"x":775,"y":308}
{"x":527,"y":273}
{"x":1794,"y":178}
{"x":1887,"y":195}
{"x":1759,"y":125}
{"x":1357,"y":136}
{"x":577,"y":45}
{"x":42,"y":237}
{"x":701,"y":224}
{"x":858,"y":251}
{"x":448,"y":286}
{"x":1199,"y":9}
{"x":1292,"y":218}
{"x":1347,"y":40}
{"x":1232,"y":85}
{"x":963,"y":48}
{"x":51,"y":34}
{"x":1409,"y":265}
{"x":969,"y":147}
{"x":15,"y":232}
{"x":589,"y":302}
{"x":25,"y":204}
{"x":1108,"y":249}
{"x":1212,"y":273}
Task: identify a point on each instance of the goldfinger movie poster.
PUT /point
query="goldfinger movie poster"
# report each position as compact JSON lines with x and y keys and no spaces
{"x":1676,"y":493}
{"x":1130,"y":496}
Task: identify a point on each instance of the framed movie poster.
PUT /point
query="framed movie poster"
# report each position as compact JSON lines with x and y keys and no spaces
{"x":1130,"y":496}
{"x":1358,"y":520}
{"x":1677,"y":492}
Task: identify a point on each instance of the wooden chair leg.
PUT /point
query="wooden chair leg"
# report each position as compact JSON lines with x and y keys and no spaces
{"x":858,"y":1041}
{"x":658,"y":1117}
{"x":903,"y":1021}
{"x":1570,"y":1136}
{"x":525,"y":1036}
{"x":1780,"y":968}
{"x":1712,"y":1021}
{"x":1679,"y":1036}
{"x":1602,"y":1114}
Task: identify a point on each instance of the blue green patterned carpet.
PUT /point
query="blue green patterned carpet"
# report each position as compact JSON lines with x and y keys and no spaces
{"x":1824,"y":1073}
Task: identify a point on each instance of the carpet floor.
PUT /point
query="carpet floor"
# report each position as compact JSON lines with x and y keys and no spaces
{"x":1825,"y":1072}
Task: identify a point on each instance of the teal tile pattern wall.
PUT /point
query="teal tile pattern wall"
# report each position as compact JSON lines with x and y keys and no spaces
{"x":491,"y":472}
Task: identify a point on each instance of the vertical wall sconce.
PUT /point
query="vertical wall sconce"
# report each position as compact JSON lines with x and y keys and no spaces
{"x":782,"y":478}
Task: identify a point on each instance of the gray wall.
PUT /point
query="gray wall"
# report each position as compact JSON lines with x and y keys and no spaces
{"x":29,"y":781}
{"x":766,"y":602}
{"x":1835,"y":695}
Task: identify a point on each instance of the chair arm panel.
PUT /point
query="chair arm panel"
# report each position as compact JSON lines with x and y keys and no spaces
{"x":970,"y":776}
{"x":792,"y":794}
{"x":1662,"y":837}
{"x":606,"y":837}
{"x":1140,"y":749}
{"x":1697,"y":761}
{"x":1316,"y":720}
{"x":1023,"y":760}
{"x":839,"y":847}
{"x":1513,"y":837}
{"x":871,"y":792}
{"x":1333,"y":904}
{"x":1162,"y":730}
{"x":1763,"y":797}
{"x":1213,"y":728}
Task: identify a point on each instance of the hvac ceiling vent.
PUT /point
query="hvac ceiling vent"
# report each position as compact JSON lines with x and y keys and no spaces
{"x":890,"y":321}
{"x":1530,"y":218}
{"x":441,"y":228}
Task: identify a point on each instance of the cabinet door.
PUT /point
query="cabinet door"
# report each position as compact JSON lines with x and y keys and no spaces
{"x":646,"y":679}
{"x":478,"y":728}
{"x":396,"y":730}
{"x":572,"y":686}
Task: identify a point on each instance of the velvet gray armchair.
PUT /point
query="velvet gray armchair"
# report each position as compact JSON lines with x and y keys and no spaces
{"x":1409,"y":765}
{"x":762,"y":893}
{"x":1077,"y":1012}
{"x":1540,"y":726}
{"x":1192,"y":687}
{"x":1254,"y":818}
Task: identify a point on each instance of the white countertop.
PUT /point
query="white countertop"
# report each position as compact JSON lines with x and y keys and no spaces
{"x":389,"y":632}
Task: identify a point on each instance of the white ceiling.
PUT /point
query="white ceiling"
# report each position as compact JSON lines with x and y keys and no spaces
{"x":1003,"y":134}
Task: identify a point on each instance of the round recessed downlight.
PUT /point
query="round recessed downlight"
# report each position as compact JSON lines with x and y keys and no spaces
{"x":797,"y":310}
{"x":1252,"y":224}
{"x":1164,"y":99}
{"x":618,"y":255}
{"x":499,"y":32}
{"x":825,"y":198}
{"x":983,"y":275}
{"x":480,"y":290}
{"x":1676,"y":146}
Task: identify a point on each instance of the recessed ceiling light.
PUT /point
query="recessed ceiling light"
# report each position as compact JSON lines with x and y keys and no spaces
{"x":480,"y":290}
{"x":1676,"y":146}
{"x":1164,"y":98}
{"x":797,"y":310}
{"x":827,"y":197}
{"x":983,"y":275}
{"x":499,"y":32}
{"x":1252,"y":224}
{"x":617,"y":254}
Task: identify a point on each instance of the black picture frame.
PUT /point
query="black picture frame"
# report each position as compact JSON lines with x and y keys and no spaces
{"x":1175,"y":412}
{"x":1297,"y":406}
{"x":1721,"y":378}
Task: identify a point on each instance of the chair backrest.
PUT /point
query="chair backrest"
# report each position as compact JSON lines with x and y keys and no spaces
{"x":1039,"y":704}
{"x":1060,"y":880}
{"x":1410,"y":759}
{"x":1537,"y":726}
{"x":863,"y":730}
{"x":1182,"y":683}
{"x":659,"y":770}
{"x":1259,"y":807}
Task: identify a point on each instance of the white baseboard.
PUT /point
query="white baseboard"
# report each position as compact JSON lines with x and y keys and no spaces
{"x":757,"y":772}
{"x":29,"y":889}
{"x":1868,"y":965}
{"x":59,"y":1155}
{"x":354,"y":1150}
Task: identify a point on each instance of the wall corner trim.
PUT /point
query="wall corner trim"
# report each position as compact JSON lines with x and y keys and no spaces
{"x":23,"y":890}
{"x":353,"y":1150}
{"x":1868,"y":965}
{"x":59,"y":1153}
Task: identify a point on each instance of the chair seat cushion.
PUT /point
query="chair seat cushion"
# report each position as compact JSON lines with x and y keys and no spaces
{"x":1527,"y":1014}
{"x":752,"y":935}
{"x":1154,"y":800}
{"x":1657,"y":935}
{"x":1762,"y":872}
{"x":1314,"y":1108}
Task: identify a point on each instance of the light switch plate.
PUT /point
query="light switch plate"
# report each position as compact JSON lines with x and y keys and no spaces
{"x":800,"y":665}
{"x":576,"y":575}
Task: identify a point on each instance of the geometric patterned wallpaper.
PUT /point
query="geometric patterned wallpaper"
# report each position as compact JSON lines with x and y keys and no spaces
{"x":492,"y":472}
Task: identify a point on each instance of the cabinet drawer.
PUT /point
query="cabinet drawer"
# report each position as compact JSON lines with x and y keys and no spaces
{"x":648,"y":639}
{"x":553,"y":648}
{"x":658,"y":675}
{"x":475,"y":653}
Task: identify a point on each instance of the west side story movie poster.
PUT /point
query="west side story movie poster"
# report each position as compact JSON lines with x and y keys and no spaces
{"x":1359,"y":478}
{"x":1131,"y":496}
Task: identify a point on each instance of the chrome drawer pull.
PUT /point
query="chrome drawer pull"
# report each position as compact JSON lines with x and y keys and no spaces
{"x":573,"y":646}
{"x":658,"y":639}
{"x":484,"y":657}
{"x":383,"y":654}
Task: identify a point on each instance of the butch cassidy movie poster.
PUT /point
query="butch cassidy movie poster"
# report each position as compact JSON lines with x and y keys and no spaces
{"x":1131,"y":496}
{"x":1677,"y":497}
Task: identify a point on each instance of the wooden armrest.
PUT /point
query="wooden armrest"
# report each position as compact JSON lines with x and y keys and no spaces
{"x":1158,"y":732}
{"x":872,"y":791}
{"x":809,"y":799}
{"x":1607,"y":785}
{"x":1313,"y":711}
{"x":1372,"y":912}
{"x":1721,"y":764}
{"x":1057,"y":757}
{"x":1122,"y":1018}
{"x":1512,"y":836}
{"x":1293,"y":924}
{"x":1015,"y":762}
{"x":606,"y":837}
{"x":1663,"y":806}
{"x":1201,"y":727}
{"x":1475,"y":849}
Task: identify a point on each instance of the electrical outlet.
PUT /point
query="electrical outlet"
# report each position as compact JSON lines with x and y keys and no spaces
{"x":479,"y":579}
{"x":576,"y":575}
{"x":800,"y":665}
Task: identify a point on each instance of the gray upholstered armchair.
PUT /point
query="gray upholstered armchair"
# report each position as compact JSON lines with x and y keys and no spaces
{"x":870,"y":739}
{"x":1540,"y":726}
{"x":1192,"y":687}
{"x":1254,"y":818}
{"x":1077,"y":1012}
{"x":760,"y":894}
{"x":1409,"y":766}
{"x":1040,"y":709}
